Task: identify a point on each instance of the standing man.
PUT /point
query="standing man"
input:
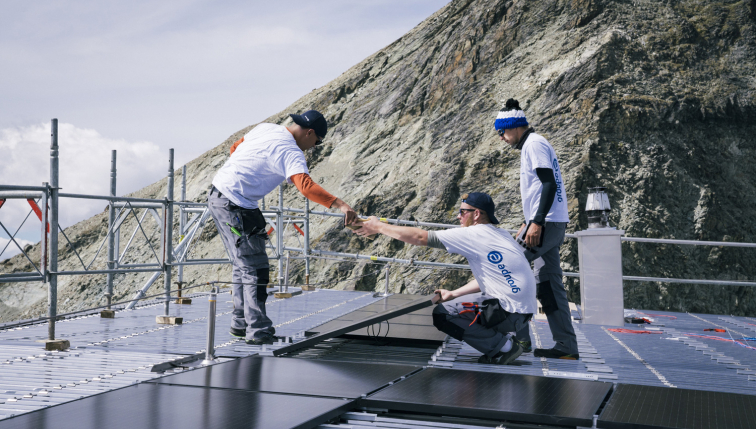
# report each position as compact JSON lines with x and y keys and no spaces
{"x":544,"y":205}
{"x":499,"y":301}
{"x":260,"y":161}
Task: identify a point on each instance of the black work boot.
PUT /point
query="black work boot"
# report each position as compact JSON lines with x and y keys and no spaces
{"x":555,"y":354}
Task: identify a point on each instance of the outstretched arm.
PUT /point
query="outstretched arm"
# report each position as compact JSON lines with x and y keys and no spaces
{"x":314,"y":192}
{"x":407,"y":234}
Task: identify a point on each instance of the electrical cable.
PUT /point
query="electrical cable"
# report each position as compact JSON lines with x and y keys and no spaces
{"x":377,"y":337}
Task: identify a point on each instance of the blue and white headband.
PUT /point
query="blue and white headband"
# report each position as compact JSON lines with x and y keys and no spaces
{"x":510,"y":119}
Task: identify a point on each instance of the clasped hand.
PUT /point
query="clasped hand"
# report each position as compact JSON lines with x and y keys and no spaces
{"x":370,"y":226}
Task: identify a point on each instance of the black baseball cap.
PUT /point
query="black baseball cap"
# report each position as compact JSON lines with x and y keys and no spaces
{"x":312,"y":119}
{"x":482,"y":201}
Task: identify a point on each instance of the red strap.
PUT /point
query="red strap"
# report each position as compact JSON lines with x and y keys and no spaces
{"x":632,"y":331}
{"x":2,"y":201}
{"x":297,"y":228}
{"x":36,"y":209}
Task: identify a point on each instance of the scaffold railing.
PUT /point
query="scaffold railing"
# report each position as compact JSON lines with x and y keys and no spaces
{"x":152,"y":224}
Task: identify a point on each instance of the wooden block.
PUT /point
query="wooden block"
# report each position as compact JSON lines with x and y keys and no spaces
{"x":308,"y":288}
{"x":107,"y":314}
{"x":282,"y":295}
{"x":51,"y":345}
{"x":185,"y":301}
{"x":169,"y":320}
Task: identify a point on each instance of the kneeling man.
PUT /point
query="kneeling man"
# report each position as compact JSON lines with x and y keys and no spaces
{"x":499,"y":301}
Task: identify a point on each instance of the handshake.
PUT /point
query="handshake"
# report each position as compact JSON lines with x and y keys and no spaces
{"x":367,"y":228}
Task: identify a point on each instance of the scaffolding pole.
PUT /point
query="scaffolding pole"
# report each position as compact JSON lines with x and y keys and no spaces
{"x":168,"y":237}
{"x":182,"y":223}
{"x":112,"y":232}
{"x":279,"y":238}
{"x":52,"y":282}
{"x":307,"y":242}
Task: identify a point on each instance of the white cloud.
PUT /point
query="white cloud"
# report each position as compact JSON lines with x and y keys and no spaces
{"x":183,"y":74}
{"x":84,"y":169}
{"x":144,"y":76}
{"x":10,"y":248}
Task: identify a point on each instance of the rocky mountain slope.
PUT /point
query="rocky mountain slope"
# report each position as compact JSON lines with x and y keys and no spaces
{"x":654,"y":100}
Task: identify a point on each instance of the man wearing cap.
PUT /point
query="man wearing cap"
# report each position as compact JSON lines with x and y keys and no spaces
{"x":259,"y":162}
{"x":486,"y":312}
{"x":544,"y":204}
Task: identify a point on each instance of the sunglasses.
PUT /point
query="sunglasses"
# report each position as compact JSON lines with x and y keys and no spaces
{"x":320,"y":139}
{"x":462,"y":211}
{"x":501,"y":133}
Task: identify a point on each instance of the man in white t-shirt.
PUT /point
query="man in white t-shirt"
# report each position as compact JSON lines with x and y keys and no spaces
{"x":486,"y":312}
{"x":544,"y":204}
{"x":259,"y":162}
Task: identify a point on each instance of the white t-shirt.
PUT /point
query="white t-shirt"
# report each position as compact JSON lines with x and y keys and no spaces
{"x":497,"y":263}
{"x":268,"y":156}
{"x":538,"y":153}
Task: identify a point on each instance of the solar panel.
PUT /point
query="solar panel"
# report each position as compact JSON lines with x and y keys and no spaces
{"x":495,"y":396}
{"x":632,"y":406}
{"x":389,"y":307}
{"x":395,"y":330}
{"x":297,"y":376}
{"x":410,"y":319}
{"x":179,"y":407}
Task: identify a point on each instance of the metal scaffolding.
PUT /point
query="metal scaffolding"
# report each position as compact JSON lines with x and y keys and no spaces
{"x":192,"y":218}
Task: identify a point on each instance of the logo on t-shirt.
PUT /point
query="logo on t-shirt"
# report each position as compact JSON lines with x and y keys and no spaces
{"x":495,"y":257}
{"x":555,"y":164}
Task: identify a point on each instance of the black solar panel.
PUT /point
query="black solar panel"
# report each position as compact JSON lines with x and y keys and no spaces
{"x":160,"y":406}
{"x":395,"y":330}
{"x":408,"y":319}
{"x":298,"y":376}
{"x":640,"y":407}
{"x":385,"y":309}
{"x":495,"y":396}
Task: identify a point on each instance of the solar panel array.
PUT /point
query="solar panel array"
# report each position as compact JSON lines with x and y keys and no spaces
{"x":645,"y":376}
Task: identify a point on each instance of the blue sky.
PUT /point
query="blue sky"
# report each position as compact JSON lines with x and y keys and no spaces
{"x":145,"y":76}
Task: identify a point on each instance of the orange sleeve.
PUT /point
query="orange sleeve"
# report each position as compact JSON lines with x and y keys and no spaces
{"x":312,"y":190}
{"x":237,"y":143}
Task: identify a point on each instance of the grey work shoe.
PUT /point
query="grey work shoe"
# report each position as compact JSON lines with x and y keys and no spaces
{"x":238,"y":333}
{"x":526,"y":347}
{"x":506,"y":358}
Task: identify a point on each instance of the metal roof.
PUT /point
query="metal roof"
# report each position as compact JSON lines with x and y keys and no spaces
{"x":106,"y":354}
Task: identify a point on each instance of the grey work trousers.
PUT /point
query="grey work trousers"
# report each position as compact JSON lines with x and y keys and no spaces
{"x":250,"y":272}
{"x":447,"y":318}
{"x":551,"y":292}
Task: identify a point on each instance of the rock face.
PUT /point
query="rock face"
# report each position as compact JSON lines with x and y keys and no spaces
{"x":654,"y":100}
